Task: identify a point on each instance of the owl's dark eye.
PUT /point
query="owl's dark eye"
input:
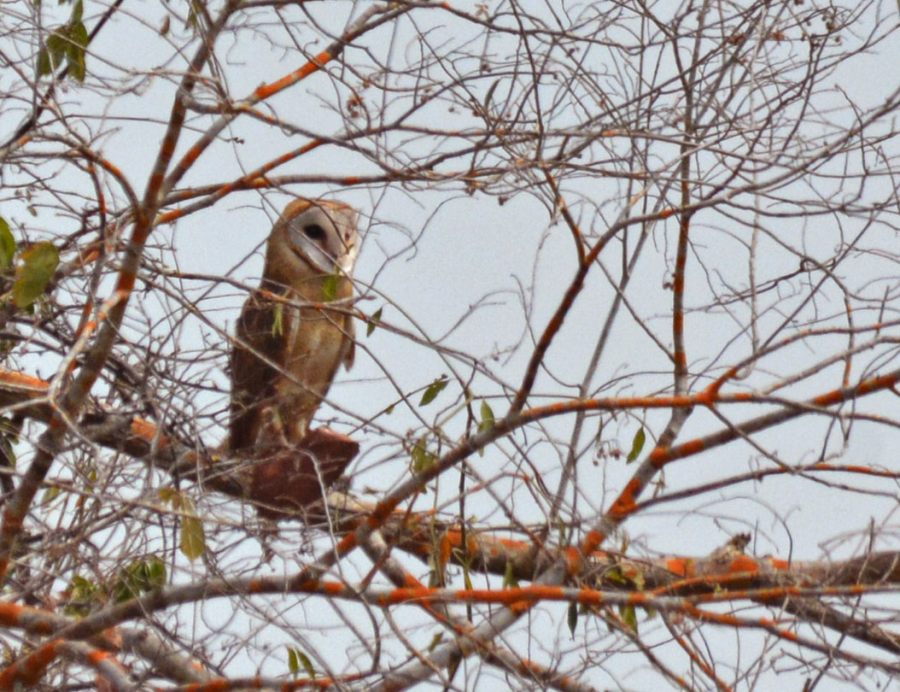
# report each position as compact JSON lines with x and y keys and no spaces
{"x":314,"y":232}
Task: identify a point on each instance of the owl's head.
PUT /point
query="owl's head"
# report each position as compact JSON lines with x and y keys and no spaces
{"x":320,"y":233}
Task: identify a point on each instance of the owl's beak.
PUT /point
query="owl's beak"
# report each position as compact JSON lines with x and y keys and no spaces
{"x":345,"y":264}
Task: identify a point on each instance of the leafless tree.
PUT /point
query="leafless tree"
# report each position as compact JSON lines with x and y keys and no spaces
{"x":625,"y":409}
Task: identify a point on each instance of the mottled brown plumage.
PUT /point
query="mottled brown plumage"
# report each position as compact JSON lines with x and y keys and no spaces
{"x":287,"y":352}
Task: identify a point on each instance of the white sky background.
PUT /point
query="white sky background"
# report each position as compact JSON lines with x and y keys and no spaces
{"x":459,"y":266}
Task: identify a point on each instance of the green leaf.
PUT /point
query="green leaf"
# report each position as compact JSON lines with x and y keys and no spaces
{"x":296,"y":659}
{"x":278,"y":320}
{"x":50,"y":494}
{"x":573,"y":618}
{"x":39,"y":262}
{"x":80,"y":587}
{"x":75,"y":50}
{"x":467,"y":578}
{"x":637,"y":444}
{"x":7,"y":453}
{"x":193,"y":18}
{"x":83,"y":593}
{"x":77,"y":11}
{"x":307,"y":664}
{"x":629,"y":616}
{"x":422,"y":459}
{"x":56,"y":47}
{"x":125,"y":589}
{"x":44,"y":67}
{"x":615,"y":575}
{"x":7,"y":245}
{"x":509,"y":576}
{"x":168,"y":495}
{"x":435,"y":640}
{"x":139,"y":577}
{"x":453,"y":667}
{"x":9,"y":430}
{"x":51,"y":55}
{"x":77,"y":68}
{"x":78,"y":36}
{"x":487,"y":417}
{"x":155,"y":570}
{"x":193,"y":538}
{"x":330,"y":287}
{"x":374,"y":321}
{"x":433,"y":390}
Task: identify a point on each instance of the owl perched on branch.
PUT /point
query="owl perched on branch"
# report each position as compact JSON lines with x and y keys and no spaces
{"x":288,"y":347}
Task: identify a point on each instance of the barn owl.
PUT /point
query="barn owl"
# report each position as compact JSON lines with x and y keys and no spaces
{"x":285,"y":356}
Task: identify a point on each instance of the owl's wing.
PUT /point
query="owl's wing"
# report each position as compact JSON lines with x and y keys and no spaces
{"x":253,"y":379}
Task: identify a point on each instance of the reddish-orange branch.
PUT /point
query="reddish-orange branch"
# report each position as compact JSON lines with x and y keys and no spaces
{"x":708,"y":580}
{"x":741,"y":577}
{"x":29,"y":670}
{"x":402,"y":578}
{"x":359,"y":27}
{"x":17,"y":389}
{"x":74,"y":394}
{"x":626,"y":502}
{"x":317,"y":63}
{"x":25,"y":388}
{"x":244,"y":182}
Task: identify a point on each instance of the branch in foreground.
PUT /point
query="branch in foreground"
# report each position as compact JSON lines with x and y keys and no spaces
{"x":288,"y":485}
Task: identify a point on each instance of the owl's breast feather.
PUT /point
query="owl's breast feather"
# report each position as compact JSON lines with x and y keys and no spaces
{"x":314,"y":348}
